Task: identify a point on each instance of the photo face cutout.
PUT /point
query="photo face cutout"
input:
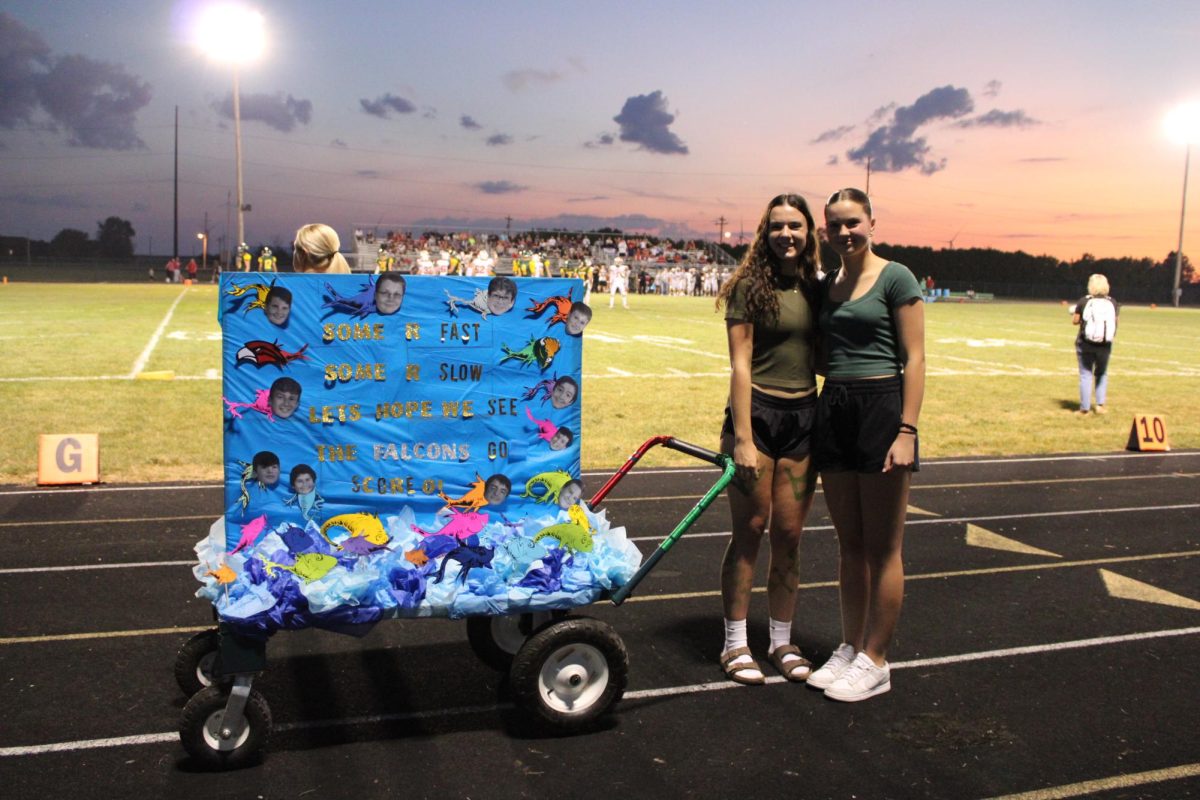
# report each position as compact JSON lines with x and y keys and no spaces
{"x":570,"y":495}
{"x":495,"y":492}
{"x":304,"y":483}
{"x":389,"y":295}
{"x":563,"y":394}
{"x":577,"y":320}
{"x":499,"y":301}
{"x":278,"y":310}
{"x":284,"y":403}
{"x":267,"y":474}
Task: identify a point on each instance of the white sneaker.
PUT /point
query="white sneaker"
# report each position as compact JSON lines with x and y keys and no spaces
{"x":860,"y":680}
{"x":829,"y":672}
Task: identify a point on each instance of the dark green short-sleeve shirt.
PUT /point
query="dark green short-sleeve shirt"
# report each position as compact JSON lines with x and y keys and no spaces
{"x":861,"y":335}
{"x":782,"y":354}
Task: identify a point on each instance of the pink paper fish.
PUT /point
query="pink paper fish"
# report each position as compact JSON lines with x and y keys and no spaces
{"x":261,"y":404}
{"x":463,"y":525}
{"x":546,"y":428}
{"x":250,"y":532}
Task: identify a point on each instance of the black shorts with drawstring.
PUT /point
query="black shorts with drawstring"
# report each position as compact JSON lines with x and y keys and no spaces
{"x":857,"y":422}
{"x":781,"y":426}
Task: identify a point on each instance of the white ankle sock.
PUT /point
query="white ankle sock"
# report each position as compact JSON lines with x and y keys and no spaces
{"x":735,"y":634}
{"x":781,"y":633}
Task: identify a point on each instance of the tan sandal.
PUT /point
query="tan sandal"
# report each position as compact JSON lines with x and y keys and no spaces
{"x":797,"y":669}
{"x":735,"y":672}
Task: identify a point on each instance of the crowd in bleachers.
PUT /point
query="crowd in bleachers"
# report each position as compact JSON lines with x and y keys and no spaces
{"x":656,"y":266}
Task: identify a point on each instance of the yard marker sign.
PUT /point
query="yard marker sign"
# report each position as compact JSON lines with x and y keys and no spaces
{"x":68,"y":458}
{"x":403,"y":446}
{"x":1148,"y":433}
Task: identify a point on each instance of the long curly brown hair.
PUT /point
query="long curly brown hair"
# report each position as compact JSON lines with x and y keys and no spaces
{"x":760,"y":267}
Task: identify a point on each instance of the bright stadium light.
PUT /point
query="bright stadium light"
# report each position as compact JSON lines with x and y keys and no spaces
{"x":1183,"y":126}
{"x":233,"y":34}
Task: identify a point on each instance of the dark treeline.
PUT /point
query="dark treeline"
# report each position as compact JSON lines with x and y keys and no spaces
{"x":1021,"y":275}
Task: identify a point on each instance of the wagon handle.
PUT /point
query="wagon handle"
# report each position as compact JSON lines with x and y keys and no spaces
{"x":728,"y":468}
{"x":669,"y":442}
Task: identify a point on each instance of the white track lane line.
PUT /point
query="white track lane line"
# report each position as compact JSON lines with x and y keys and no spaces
{"x":925,"y":464}
{"x":643,"y":694}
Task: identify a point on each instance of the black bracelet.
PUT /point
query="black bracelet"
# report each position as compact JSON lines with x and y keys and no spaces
{"x":906,"y":428}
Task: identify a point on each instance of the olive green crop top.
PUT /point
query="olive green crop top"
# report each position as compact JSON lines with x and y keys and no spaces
{"x":782,"y":354}
{"x":860,"y":335}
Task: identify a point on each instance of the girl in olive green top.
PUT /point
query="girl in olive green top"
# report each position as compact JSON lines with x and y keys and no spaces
{"x":772,"y":392}
{"x":873,"y":332}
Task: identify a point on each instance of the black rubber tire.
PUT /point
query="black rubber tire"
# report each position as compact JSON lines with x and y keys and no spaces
{"x":570,"y":673}
{"x":201,"y":720}
{"x":194,"y":663}
{"x":496,"y":640}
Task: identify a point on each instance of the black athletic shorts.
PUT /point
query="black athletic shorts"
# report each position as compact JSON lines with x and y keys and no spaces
{"x":857,"y":422}
{"x":781,"y":426}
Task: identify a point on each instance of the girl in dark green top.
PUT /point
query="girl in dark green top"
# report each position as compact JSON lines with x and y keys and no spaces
{"x":770,"y":325}
{"x":873,"y":330}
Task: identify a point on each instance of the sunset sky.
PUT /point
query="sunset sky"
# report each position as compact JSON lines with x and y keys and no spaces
{"x":1017,"y":125}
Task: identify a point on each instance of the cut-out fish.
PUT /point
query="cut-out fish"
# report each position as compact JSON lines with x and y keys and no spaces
{"x":360,"y":524}
{"x":250,"y":532}
{"x":308,"y":567}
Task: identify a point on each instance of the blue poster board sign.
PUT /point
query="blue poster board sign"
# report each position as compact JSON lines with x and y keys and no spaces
{"x":403,"y":446}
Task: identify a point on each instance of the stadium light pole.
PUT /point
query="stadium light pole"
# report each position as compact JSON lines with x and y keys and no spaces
{"x":1183,"y":125}
{"x":203,"y":237}
{"x":232,"y":33}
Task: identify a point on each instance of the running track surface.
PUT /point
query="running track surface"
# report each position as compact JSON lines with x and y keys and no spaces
{"x":1049,"y":647}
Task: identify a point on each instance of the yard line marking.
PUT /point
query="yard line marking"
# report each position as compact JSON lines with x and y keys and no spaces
{"x":75,"y":637}
{"x":1123,"y":781}
{"x":140,"y":363}
{"x":928,"y":576}
{"x":1036,"y":459}
{"x":640,"y":694}
{"x":60,"y":522}
{"x":85,"y":567}
{"x":660,"y":498}
{"x":973,"y":485}
{"x":1099,"y":457}
{"x":963,"y":573}
{"x":105,"y":489}
{"x":956,"y":520}
{"x":1053,"y":647}
{"x":66,"y":378}
{"x":89,"y":744}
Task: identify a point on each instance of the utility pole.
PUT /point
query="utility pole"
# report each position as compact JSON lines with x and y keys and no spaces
{"x":175,"y":245}
{"x":721,"y":229}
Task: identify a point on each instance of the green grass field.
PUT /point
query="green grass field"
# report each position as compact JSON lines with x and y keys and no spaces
{"x":1002,"y":378}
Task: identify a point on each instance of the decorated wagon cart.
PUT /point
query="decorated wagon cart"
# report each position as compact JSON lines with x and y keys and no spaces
{"x":409,"y":446}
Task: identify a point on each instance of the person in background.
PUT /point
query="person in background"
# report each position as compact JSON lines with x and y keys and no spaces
{"x":316,"y":250}
{"x":872,"y":323}
{"x":1096,"y":317}
{"x":770,"y":324}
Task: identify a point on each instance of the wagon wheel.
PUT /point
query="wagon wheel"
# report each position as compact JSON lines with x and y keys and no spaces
{"x":570,"y":672}
{"x":194,"y":663}
{"x":496,"y":640}
{"x":200,"y":730}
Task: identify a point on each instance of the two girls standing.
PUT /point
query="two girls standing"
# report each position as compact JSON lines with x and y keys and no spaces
{"x":868,"y":319}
